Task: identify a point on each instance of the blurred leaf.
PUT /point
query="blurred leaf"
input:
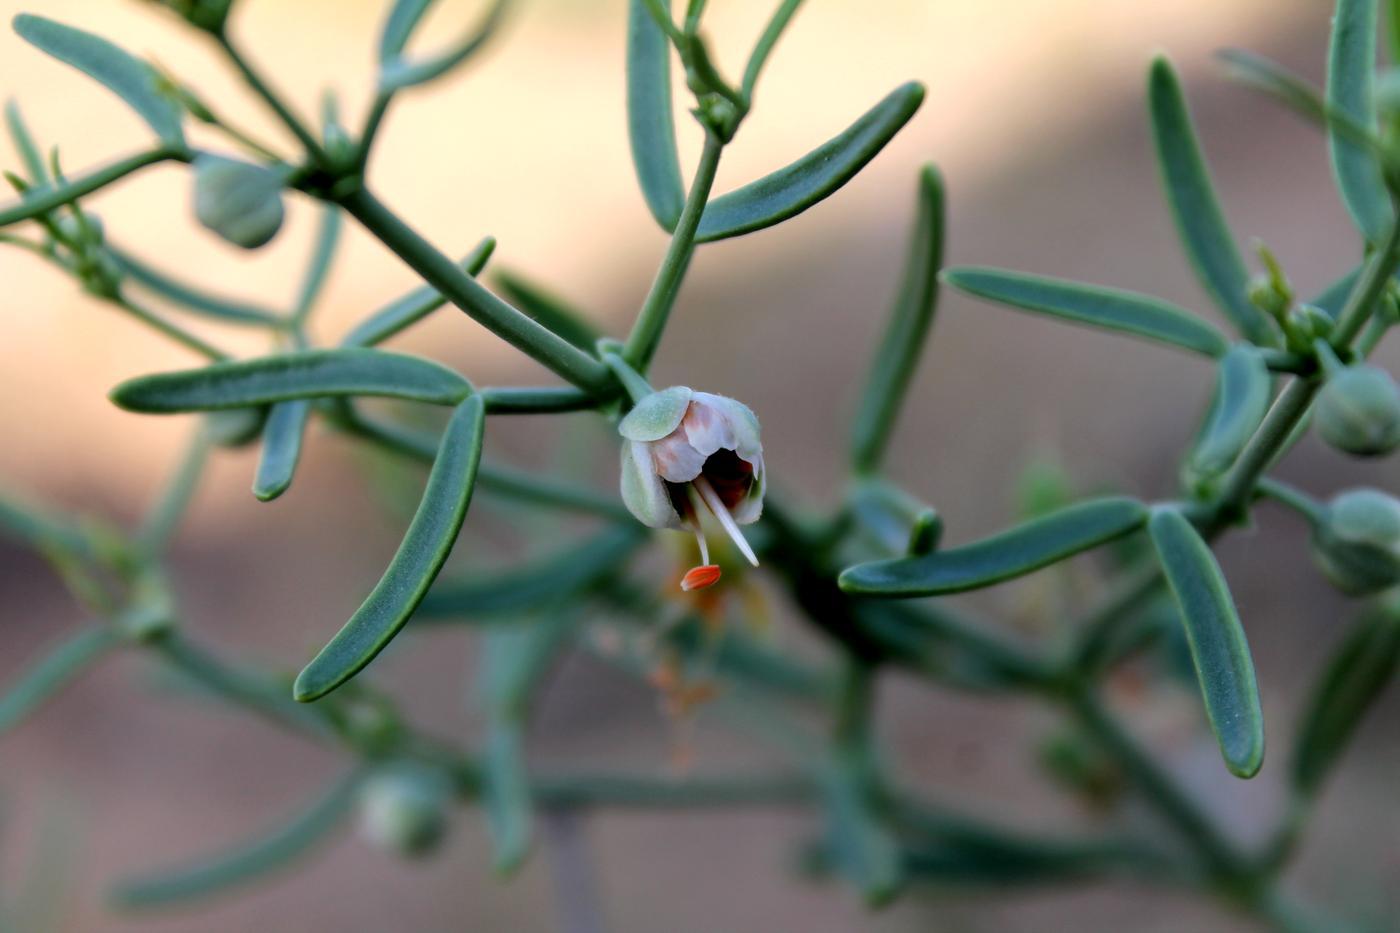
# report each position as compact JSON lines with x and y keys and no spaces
{"x":41,"y":200}
{"x":1218,"y":645}
{"x":811,"y":179}
{"x":863,"y":847}
{"x":570,"y":570}
{"x":398,"y":27}
{"x":1243,"y":390}
{"x":397,"y":72}
{"x":1334,"y":296}
{"x":302,"y":374}
{"x":318,"y":269}
{"x":651,"y":128}
{"x":414,"y":306}
{"x":1295,"y":93}
{"x":535,"y":400}
{"x":898,"y":355}
{"x":1108,"y":308}
{"x":129,"y":78}
{"x":24,"y":145}
{"x":1199,"y":220}
{"x":286,"y":423}
{"x":1351,"y":65}
{"x":507,"y":794}
{"x":519,"y":656}
{"x":568,"y":322}
{"x":425,"y":547}
{"x":1360,"y":669}
{"x":191,"y":298}
{"x":289,"y":839}
{"x":60,"y":666}
{"x":1001,"y":557}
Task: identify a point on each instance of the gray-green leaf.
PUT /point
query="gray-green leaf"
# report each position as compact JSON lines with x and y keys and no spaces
{"x":1107,"y":308}
{"x":651,"y":128}
{"x":1218,"y":646}
{"x":129,"y":78}
{"x":287,"y":841}
{"x":1001,"y":557}
{"x":1361,"y":668}
{"x":816,"y":176}
{"x":507,"y":794}
{"x":1199,"y":219}
{"x":55,"y":671}
{"x":304,"y":374}
{"x":413,"y":307}
{"x":1351,"y":65}
{"x":425,"y":547}
{"x":1243,"y":390}
{"x":286,"y":423}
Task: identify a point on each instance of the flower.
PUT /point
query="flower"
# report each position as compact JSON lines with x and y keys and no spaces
{"x":687,"y":452}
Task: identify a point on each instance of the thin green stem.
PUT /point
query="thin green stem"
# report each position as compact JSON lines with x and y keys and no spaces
{"x":41,"y":200}
{"x":1365,"y":295}
{"x":272,"y":99}
{"x":1259,"y":454}
{"x":165,"y":516}
{"x":170,"y":329}
{"x":651,"y":321}
{"x":634,"y":382}
{"x":496,"y":315}
{"x":1293,"y":497}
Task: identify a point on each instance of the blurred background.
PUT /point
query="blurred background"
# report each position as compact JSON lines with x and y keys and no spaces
{"x":1035,"y":114}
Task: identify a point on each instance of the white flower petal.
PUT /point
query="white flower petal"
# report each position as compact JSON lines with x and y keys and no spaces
{"x":743,"y":423}
{"x":675,"y":459}
{"x":748,"y":510}
{"x":707,"y":425}
{"x":642,"y":490}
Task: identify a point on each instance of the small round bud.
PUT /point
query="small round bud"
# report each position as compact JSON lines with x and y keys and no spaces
{"x":1266,"y":297}
{"x":403,"y":809}
{"x":1358,"y":411}
{"x":1357,"y":543}
{"x":1303,"y":324}
{"x":239,"y":201}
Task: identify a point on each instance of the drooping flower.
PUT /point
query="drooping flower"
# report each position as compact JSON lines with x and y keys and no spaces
{"x":685,"y":453}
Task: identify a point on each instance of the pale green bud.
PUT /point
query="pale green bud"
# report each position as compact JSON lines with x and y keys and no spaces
{"x":239,"y":201}
{"x":1357,"y":543}
{"x":403,"y":809}
{"x":1358,"y":411}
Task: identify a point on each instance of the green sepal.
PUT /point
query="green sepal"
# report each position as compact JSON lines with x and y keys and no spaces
{"x":656,"y":415}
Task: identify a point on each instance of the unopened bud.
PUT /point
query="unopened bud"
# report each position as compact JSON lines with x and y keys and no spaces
{"x":239,"y":201}
{"x":1358,"y":411}
{"x":1357,"y":543}
{"x":403,"y":810}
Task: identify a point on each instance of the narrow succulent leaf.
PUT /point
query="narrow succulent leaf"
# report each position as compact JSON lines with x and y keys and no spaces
{"x":318,"y":269}
{"x":1107,"y":308}
{"x":34,"y":165}
{"x":553,"y":312}
{"x":1392,"y":32}
{"x":191,"y":298}
{"x":425,"y":547}
{"x":287,"y":841}
{"x":518,"y":657}
{"x":1351,"y":65}
{"x":1360,"y":669}
{"x":1243,"y":390}
{"x":399,"y":72}
{"x":862,"y":846}
{"x":55,"y":671}
{"x":651,"y":127}
{"x":1012,"y":553}
{"x":413,"y":307}
{"x":1295,"y":94}
{"x":1204,"y":232}
{"x":1217,"y":640}
{"x":286,"y":424}
{"x":42,"y":199}
{"x":403,"y":18}
{"x":570,"y":570}
{"x":507,"y":794}
{"x":816,"y":176}
{"x":898,"y":355}
{"x":129,"y":78}
{"x":303,"y":374}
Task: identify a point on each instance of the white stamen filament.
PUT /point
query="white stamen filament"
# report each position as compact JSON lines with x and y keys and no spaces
{"x":721,"y":512}
{"x":704,"y":547}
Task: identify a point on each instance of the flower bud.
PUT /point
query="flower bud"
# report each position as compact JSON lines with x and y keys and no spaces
{"x":1357,"y":543}
{"x":239,"y":201}
{"x":1358,"y":411}
{"x":403,"y":810}
{"x":209,"y":15}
